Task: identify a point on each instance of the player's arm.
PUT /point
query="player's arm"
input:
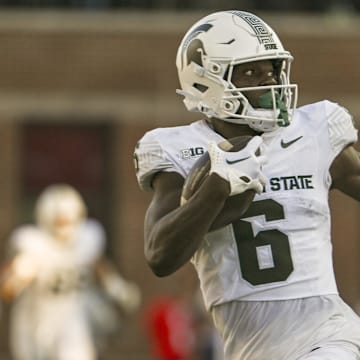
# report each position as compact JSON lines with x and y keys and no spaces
{"x":173,"y":232}
{"x":123,"y":292}
{"x":15,"y":275}
{"x":345,"y":172}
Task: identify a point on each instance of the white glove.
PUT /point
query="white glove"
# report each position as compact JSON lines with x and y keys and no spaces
{"x":242,"y":169}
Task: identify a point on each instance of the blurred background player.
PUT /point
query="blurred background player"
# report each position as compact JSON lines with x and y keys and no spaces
{"x":52,"y":277}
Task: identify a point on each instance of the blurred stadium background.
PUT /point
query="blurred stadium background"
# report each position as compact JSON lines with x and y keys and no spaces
{"x":82,"y":80}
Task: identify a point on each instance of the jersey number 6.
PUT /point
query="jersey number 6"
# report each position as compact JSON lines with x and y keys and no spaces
{"x":266,"y":257}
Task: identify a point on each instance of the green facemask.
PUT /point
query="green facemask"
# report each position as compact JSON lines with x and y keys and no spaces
{"x":266,"y":102}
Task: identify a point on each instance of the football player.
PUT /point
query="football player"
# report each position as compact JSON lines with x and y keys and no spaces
{"x":266,"y":275}
{"x":51,"y":275}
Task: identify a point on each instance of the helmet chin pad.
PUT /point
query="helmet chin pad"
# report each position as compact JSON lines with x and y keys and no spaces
{"x":271,"y":100}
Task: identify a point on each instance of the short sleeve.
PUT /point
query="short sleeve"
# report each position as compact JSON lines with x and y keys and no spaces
{"x":341,"y":128}
{"x":150,"y":158}
{"x":27,"y":248}
{"x":27,"y":239}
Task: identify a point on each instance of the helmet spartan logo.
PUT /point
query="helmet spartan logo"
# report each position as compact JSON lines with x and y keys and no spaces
{"x":190,"y":47}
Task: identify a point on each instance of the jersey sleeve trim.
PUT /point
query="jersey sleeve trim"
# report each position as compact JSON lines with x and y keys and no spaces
{"x":341,"y":129}
{"x":151,"y":159}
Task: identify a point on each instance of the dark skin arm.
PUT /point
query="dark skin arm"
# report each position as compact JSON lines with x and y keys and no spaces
{"x":345,"y":172}
{"x":172,"y":232}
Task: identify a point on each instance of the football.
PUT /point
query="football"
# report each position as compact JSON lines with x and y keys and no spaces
{"x":201,"y":169}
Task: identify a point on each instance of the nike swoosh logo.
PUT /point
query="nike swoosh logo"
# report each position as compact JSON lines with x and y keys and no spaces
{"x":230,"y":162}
{"x":285,"y":144}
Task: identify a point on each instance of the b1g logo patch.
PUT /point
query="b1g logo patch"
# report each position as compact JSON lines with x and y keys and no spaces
{"x":192,"y":152}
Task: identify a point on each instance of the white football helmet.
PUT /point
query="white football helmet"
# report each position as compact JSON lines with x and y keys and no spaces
{"x":59,"y":210}
{"x":205,"y":61}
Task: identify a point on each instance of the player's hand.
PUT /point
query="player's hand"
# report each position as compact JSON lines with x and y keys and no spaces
{"x":242,"y":169}
{"x":125,"y":293}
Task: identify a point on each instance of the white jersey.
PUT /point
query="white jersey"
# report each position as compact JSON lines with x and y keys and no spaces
{"x":59,"y":267}
{"x":50,"y":319}
{"x":281,"y":248}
